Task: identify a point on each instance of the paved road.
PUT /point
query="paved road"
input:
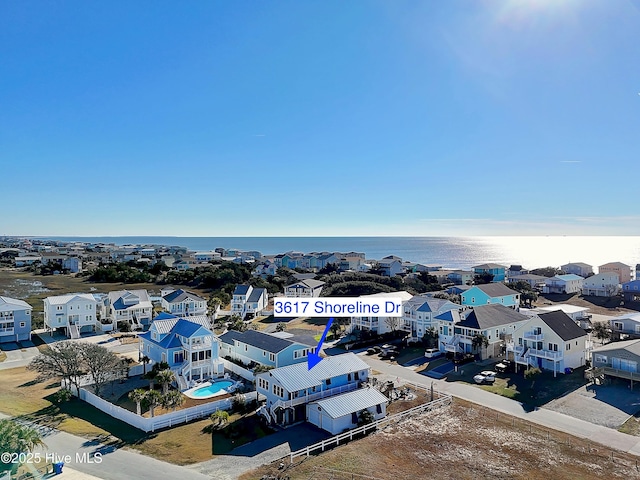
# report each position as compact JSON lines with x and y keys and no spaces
{"x":541,"y":416}
{"x":117,"y":464}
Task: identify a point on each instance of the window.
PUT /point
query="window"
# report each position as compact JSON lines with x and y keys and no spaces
{"x":379,"y":408}
{"x":23,"y":324}
{"x":356,"y":375}
{"x":278,"y":390}
{"x":550,"y":346}
{"x":568,"y":347}
{"x":520,"y":341}
{"x":263,"y":384}
{"x":272,"y":357}
{"x":354,"y":417}
{"x":600,"y":358}
{"x":327,"y":381}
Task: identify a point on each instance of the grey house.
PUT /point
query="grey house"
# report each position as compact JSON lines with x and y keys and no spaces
{"x":625,"y":326}
{"x":618,"y":359}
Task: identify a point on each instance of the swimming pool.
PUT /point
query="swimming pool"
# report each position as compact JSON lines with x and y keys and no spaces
{"x":209,"y":390}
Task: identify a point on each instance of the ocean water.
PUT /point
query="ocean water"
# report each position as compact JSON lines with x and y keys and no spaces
{"x":454,"y":252}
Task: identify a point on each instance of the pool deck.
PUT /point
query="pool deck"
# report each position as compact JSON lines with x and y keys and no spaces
{"x":222,"y":391}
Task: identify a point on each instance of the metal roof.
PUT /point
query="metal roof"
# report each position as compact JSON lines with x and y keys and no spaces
{"x":299,"y":377}
{"x":167,"y":322}
{"x":64,"y":299}
{"x":10,"y":304}
{"x":347,"y":403}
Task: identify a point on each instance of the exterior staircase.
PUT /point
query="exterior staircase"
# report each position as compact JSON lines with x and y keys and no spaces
{"x":182,"y":383}
{"x":74,"y":331}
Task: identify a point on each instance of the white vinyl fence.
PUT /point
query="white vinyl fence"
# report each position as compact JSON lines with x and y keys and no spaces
{"x":238,"y":370}
{"x":159,"y":421}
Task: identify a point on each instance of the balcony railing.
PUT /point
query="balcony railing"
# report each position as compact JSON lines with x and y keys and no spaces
{"x":314,"y":396}
{"x":548,"y":354}
{"x":6,"y":331}
{"x":533,"y":336}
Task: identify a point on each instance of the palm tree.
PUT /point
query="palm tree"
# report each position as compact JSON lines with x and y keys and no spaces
{"x":219,"y":418}
{"x":16,"y":438}
{"x":152,"y":398}
{"x":164,"y":378}
{"x":479,"y":341}
{"x":137,"y":395}
{"x":172,"y":400}
{"x":145,"y":361}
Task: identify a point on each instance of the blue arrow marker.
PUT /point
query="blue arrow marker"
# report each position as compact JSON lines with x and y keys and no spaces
{"x":314,"y":357}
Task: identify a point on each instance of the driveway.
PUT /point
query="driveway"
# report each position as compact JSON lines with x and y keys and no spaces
{"x":260,"y":452}
{"x":606,"y":405}
{"x":16,"y":355}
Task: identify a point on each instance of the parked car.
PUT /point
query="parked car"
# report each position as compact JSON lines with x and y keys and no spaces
{"x":390,"y":354}
{"x":485,"y":376}
{"x":466,"y":358}
{"x":431,"y":352}
{"x":505,"y":366}
{"x":374,"y":350}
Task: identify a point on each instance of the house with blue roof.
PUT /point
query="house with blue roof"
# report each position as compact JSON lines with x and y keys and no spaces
{"x":490,"y":293}
{"x":129,"y":306}
{"x":248,"y":301}
{"x":188,"y":345}
{"x":563,"y":284}
{"x":183,"y":303}
{"x":420,"y":312}
{"x":253,"y":346}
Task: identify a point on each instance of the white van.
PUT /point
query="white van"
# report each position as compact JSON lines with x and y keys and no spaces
{"x":431,"y":352}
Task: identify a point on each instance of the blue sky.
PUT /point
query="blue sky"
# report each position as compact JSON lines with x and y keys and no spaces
{"x":463,"y":117}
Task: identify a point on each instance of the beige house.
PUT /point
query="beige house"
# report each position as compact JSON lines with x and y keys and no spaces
{"x":623,"y":271}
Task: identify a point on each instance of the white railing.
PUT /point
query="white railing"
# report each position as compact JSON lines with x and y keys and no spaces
{"x":533,"y":336}
{"x":314,"y":396}
{"x":383,"y":422}
{"x":6,"y":331}
{"x":545,"y":354}
{"x":453,"y":345}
